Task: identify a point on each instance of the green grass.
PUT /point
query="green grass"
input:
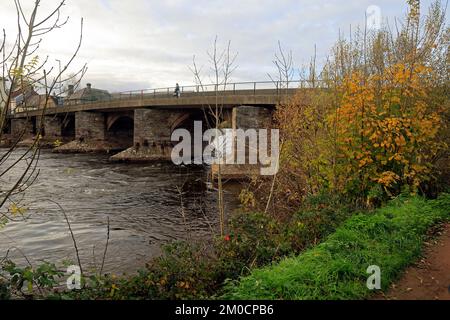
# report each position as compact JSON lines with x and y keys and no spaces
{"x":390,"y":237}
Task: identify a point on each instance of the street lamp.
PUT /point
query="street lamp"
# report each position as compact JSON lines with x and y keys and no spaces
{"x":59,"y":77}
{"x":59,"y":83}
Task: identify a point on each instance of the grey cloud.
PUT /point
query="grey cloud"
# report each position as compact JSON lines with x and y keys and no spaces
{"x":140,"y":44}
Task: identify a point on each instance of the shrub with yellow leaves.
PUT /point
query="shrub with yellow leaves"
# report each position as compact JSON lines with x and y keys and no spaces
{"x":387,"y":127}
{"x":376,"y":124}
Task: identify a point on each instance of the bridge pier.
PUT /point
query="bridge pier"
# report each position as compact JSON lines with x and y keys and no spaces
{"x":152,"y":132}
{"x":52,"y":126}
{"x":244,"y":117}
{"x":90,"y":135}
{"x":55,"y":129}
{"x":90,"y":127}
{"x":250,"y":117}
{"x":23,"y":128}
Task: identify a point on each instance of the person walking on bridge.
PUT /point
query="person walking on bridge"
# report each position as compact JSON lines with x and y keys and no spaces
{"x":177,"y":92}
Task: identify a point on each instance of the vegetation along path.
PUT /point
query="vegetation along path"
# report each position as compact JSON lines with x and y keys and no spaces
{"x":391,"y":238}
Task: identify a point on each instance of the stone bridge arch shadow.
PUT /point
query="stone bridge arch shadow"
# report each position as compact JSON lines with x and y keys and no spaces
{"x":187,"y":122}
{"x":68,"y":127}
{"x":120,"y":130}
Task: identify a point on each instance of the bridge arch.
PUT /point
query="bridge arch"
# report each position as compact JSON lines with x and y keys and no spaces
{"x":179,"y":121}
{"x":112,"y":119}
{"x":120,"y":129}
{"x":187,"y":119}
{"x":68,"y":126}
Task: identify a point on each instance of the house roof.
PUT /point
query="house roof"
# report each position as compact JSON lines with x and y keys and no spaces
{"x":39,"y":100}
{"x":89,"y":94}
{"x":28,"y":93}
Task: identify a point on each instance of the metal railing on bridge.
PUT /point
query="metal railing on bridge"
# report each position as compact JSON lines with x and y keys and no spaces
{"x":234,"y":88}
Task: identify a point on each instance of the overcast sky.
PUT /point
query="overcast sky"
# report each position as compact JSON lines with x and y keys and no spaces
{"x":136,"y":44}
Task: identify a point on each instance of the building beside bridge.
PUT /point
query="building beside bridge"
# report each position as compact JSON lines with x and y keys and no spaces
{"x":42,"y":101}
{"x":85,"y":95}
{"x":27,"y":99}
{"x":23,"y":99}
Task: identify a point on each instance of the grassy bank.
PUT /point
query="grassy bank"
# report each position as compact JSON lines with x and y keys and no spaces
{"x":390,"y":238}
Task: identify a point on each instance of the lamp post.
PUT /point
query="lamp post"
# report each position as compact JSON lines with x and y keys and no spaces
{"x":59,"y":77}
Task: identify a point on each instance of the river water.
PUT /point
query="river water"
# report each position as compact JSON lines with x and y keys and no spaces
{"x":148,"y":205}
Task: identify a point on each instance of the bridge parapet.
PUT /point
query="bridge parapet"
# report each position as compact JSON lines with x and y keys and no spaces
{"x":266,"y":93}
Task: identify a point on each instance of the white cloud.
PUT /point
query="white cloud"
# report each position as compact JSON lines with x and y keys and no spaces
{"x":137,"y":44}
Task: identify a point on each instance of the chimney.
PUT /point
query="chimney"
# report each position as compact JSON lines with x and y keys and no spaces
{"x":70,"y":90}
{"x":88,"y":85}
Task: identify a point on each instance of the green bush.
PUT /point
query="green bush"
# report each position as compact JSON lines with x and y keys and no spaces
{"x":183,"y":271}
{"x":319,"y":216}
{"x":29,"y":281}
{"x":5,"y":292}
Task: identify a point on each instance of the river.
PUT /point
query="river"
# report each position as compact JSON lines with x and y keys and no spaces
{"x":143,"y":203}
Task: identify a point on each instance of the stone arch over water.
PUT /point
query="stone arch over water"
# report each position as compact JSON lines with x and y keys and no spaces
{"x":120,"y":129}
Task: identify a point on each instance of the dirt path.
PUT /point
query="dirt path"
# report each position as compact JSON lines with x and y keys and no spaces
{"x":428,"y":279}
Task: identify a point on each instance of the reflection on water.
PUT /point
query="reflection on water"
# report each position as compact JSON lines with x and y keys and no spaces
{"x":143,"y":203}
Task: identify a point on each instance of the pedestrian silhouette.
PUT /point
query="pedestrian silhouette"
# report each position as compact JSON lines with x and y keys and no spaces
{"x":177,"y":92}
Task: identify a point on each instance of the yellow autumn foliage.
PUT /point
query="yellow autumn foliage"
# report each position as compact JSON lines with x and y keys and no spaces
{"x":387,"y":127}
{"x":375,"y":123}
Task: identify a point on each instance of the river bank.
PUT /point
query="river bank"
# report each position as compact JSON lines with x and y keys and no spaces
{"x":88,"y":147}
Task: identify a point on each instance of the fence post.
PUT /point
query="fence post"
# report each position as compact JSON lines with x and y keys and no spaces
{"x":254,"y":88}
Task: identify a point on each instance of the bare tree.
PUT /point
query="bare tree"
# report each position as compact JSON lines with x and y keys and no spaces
{"x":23,"y":70}
{"x":222,"y":65}
{"x":284,"y":64}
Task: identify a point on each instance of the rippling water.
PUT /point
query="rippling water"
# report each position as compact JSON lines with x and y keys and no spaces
{"x":143,"y":203}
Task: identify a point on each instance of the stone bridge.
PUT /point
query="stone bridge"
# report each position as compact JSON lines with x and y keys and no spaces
{"x":141,"y":122}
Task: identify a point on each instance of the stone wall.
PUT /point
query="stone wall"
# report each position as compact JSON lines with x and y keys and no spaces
{"x":152,"y":132}
{"x":244,"y":117}
{"x":153,"y":126}
{"x":249,"y":117}
{"x":90,"y":126}
{"x":52,"y":126}
{"x":22,"y":126}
